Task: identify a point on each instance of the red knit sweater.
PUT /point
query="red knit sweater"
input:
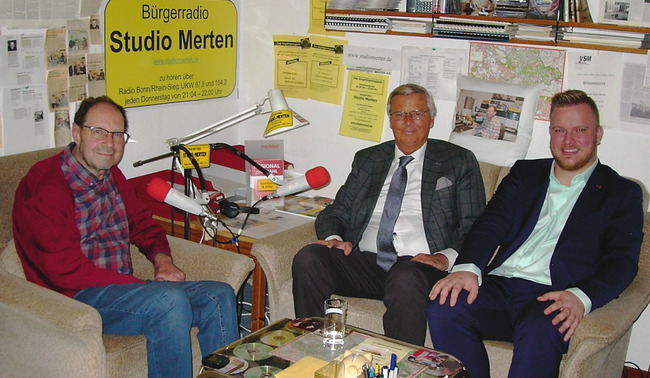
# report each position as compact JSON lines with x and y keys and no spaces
{"x":47,"y":237}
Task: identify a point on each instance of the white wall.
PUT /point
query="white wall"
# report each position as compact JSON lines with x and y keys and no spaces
{"x":320,"y":144}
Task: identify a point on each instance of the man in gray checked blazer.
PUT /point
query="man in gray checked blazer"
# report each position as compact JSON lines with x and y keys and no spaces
{"x":444,"y":195}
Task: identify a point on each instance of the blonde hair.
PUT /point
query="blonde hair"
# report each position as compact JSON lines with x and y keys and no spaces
{"x":574,"y":97}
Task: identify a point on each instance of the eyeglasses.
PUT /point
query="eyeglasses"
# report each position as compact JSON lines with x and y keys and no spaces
{"x":415,"y":115}
{"x":99,"y":133}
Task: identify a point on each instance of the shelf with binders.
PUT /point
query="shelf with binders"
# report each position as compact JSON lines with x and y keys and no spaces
{"x":608,"y":37}
{"x":522,"y":30}
{"x":553,"y":31}
{"x":379,"y":22}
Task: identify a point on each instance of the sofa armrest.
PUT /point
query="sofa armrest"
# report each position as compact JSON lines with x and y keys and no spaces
{"x":275,"y":255}
{"x":601,"y":334}
{"x":599,"y":345}
{"x":65,"y":334}
{"x":203,"y":262}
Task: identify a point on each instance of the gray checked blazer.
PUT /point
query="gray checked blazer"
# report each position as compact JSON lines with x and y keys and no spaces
{"x":452,"y":194}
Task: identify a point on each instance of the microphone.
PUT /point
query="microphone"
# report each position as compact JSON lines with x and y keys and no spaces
{"x":314,"y":178}
{"x":161,"y":191}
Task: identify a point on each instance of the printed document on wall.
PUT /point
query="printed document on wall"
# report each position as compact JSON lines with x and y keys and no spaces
{"x":327,"y":69}
{"x":292,"y":57}
{"x":599,"y":74}
{"x":22,"y":60}
{"x":434,"y":68}
{"x":365,"y":105}
{"x":624,"y":12}
{"x":635,"y":98}
{"x":25,"y":119}
{"x":372,"y":59}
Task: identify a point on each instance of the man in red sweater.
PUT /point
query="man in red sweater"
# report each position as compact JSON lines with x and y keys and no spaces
{"x":75,"y":216}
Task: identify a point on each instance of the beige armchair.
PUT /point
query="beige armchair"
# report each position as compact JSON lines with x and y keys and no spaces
{"x":597,"y":349}
{"x":44,"y":333}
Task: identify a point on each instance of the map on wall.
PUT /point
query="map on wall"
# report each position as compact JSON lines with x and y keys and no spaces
{"x":520,"y":65}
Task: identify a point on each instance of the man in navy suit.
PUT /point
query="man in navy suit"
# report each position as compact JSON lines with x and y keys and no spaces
{"x":569,"y":231}
{"x":444,"y":194}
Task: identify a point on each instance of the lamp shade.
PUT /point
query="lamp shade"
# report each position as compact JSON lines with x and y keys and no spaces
{"x":282,"y":119}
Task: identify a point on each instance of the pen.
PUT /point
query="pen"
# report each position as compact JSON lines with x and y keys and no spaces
{"x":365,"y":368}
{"x":393,"y":358}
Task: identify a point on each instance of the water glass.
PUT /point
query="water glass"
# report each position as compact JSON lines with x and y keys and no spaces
{"x":334,"y":322}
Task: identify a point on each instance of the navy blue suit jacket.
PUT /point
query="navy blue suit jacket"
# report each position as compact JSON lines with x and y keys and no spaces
{"x":598,"y":249}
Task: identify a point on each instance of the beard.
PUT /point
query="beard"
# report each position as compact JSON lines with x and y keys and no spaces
{"x":572,"y":166}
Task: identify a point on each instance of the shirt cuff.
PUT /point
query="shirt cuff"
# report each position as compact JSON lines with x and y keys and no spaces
{"x":334,"y":237}
{"x":583,"y":298}
{"x":469,"y":268}
{"x":451,"y":256}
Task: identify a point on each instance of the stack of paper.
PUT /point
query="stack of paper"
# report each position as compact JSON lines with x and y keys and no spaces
{"x":364,"y":4}
{"x":536,"y":32}
{"x":410,"y":25}
{"x":356,"y":22}
{"x":606,"y":37}
{"x":473,"y":29}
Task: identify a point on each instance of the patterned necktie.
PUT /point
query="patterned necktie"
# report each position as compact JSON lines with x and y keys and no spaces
{"x":386,"y":254}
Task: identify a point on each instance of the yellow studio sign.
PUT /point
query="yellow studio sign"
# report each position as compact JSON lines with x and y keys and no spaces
{"x":167,"y":51}
{"x":201,"y":153}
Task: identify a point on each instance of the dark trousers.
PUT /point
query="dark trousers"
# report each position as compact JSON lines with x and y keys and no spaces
{"x":319,"y":272}
{"x":506,"y":309}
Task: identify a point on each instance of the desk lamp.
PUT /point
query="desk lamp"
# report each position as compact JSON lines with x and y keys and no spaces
{"x":282,"y":119}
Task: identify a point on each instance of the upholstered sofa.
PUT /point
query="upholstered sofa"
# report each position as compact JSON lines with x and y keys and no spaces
{"x":46,"y":334}
{"x":597,"y":349}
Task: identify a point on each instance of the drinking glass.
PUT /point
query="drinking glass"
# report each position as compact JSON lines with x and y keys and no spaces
{"x":334,"y":322}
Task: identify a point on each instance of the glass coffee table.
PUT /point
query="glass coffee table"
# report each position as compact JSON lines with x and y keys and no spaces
{"x":276,"y":347}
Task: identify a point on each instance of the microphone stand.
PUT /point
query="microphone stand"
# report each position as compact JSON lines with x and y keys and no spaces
{"x":179,"y":143}
{"x":188,"y":183}
{"x":189,"y":187}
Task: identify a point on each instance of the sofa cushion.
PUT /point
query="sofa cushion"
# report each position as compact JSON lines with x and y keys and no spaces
{"x":10,"y":261}
{"x":365,"y":313}
{"x":492,"y":176}
{"x":124,"y":355}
